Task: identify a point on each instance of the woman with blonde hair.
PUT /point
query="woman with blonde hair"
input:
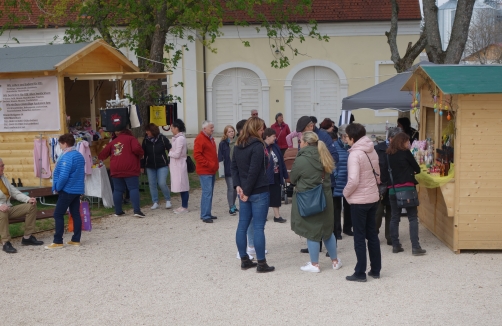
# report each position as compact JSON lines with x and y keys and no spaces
{"x":224,"y":156}
{"x":249,"y":164}
{"x":312,"y":167}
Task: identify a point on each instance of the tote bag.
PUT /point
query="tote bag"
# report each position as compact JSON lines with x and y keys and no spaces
{"x":312,"y":201}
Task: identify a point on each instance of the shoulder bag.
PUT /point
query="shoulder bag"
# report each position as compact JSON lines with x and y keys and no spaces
{"x":190,"y":164}
{"x":312,"y":201}
{"x":408,"y":198}
{"x":382,"y":188}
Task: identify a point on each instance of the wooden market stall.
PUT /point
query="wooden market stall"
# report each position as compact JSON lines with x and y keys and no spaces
{"x":45,"y":89}
{"x":462,"y":105}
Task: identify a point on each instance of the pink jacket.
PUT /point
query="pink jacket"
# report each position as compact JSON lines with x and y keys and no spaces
{"x":86,"y":153}
{"x":178,"y":164}
{"x":361,"y":186}
{"x":289,"y":138}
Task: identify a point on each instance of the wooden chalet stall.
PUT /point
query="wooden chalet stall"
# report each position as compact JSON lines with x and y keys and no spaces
{"x":463,"y":210}
{"x":45,"y":89}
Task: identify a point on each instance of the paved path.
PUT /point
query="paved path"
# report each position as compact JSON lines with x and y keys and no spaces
{"x":175,"y":270}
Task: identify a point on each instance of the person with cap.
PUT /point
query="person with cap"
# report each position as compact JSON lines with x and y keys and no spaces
{"x":282,"y":131}
{"x":305,"y":124}
{"x":381,"y":149}
{"x":341,"y":180}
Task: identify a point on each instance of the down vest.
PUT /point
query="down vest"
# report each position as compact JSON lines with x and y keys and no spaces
{"x":341,"y":168}
{"x":361,"y":186}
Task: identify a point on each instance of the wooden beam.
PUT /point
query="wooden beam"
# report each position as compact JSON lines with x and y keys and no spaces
{"x":117,"y":75}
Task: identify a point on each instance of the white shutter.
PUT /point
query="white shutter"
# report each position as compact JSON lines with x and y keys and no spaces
{"x":224,"y":100}
{"x":250,"y":96}
{"x":303,"y":93}
{"x":328,"y":90}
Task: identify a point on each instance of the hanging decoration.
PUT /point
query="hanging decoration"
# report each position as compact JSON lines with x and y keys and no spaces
{"x":435,"y":99}
{"x":415,"y":99}
{"x":441,"y":103}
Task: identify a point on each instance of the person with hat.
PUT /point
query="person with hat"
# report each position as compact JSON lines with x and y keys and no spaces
{"x":282,"y":131}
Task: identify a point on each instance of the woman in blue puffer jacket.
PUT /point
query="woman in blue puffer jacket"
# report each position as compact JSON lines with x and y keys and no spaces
{"x":341,"y":181}
{"x":68,"y":183}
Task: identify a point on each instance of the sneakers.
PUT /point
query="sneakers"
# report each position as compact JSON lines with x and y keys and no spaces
{"x":8,"y":248}
{"x":354,"y":278}
{"x":180,"y":210}
{"x":54,"y":246}
{"x":168,"y":204}
{"x":250,"y":256}
{"x":338,"y":264}
{"x":233,"y":211}
{"x":120,"y":214}
{"x":73,"y":243}
{"x":310,"y":268}
{"x":418,"y":251}
{"x":139,"y":214}
{"x":31,"y":241}
{"x":155,"y":206}
{"x":279,"y":220}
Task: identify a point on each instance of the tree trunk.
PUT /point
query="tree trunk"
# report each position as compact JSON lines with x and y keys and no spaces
{"x":459,"y":32}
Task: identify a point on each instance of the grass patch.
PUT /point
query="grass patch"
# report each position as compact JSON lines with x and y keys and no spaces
{"x":17,"y":229}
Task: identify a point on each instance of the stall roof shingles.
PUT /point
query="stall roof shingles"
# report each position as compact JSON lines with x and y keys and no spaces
{"x":36,"y":58}
{"x":322,"y":11}
{"x":469,"y":79}
{"x":349,"y":10}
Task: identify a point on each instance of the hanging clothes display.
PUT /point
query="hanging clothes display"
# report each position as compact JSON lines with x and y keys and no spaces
{"x":41,"y":164}
{"x":134,"y":116}
{"x":84,"y":149}
{"x":116,"y":119}
{"x":158,"y":115}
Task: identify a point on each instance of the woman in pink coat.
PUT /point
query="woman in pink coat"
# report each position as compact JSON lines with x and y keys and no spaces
{"x":362,"y":194}
{"x":178,"y":165}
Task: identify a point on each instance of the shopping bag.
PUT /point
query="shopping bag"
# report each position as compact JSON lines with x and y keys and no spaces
{"x":158,"y":115}
{"x":85,"y":216}
{"x":134,"y":117}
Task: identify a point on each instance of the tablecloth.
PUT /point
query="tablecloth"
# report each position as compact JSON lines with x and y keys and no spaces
{"x":97,"y":184}
{"x":428,"y":181}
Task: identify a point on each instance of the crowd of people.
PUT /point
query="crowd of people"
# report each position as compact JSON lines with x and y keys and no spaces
{"x":342,"y":162}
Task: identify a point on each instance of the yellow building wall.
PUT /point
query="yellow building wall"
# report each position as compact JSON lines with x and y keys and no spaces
{"x":355,"y":55}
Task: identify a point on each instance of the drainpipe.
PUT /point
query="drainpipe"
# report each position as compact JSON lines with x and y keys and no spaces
{"x":204,"y":73}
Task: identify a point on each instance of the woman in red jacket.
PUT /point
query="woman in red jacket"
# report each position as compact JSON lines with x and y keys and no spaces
{"x":125,"y":153}
{"x":281,"y":130}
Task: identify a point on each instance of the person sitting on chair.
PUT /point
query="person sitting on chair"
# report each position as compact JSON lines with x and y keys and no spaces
{"x":7,"y":211}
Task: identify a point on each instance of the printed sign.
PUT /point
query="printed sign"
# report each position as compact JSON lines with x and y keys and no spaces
{"x":29,"y":104}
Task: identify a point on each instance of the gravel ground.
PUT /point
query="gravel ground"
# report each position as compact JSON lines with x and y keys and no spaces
{"x":175,"y":270}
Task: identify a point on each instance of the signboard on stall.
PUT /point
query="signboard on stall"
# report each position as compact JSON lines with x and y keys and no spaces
{"x":29,"y":104}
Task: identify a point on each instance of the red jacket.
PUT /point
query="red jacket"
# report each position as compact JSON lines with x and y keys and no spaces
{"x":125,"y":152}
{"x":282,"y":131}
{"x":204,"y":153}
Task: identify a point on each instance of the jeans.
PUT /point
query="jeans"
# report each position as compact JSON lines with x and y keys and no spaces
{"x":250,"y":234}
{"x":184,"y":198}
{"x":396,"y":218}
{"x":231,"y":192}
{"x":315,"y":246}
{"x":206,"y":200}
{"x":119,"y":187}
{"x":363,"y":221}
{"x":254,"y":210}
{"x":379,"y":216}
{"x":65,"y":201}
{"x":158,"y":176}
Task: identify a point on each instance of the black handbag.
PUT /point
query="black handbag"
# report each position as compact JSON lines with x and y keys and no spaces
{"x":408,"y":198}
{"x":312,"y":201}
{"x":190,"y":165}
{"x":382,"y":188}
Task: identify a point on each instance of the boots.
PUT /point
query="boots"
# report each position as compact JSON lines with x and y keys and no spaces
{"x":263,"y":267}
{"x":397,"y":249}
{"x":418,"y":251}
{"x":247,"y":263}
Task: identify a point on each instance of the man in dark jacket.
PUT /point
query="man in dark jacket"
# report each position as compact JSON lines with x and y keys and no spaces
{"x":384,"y":205}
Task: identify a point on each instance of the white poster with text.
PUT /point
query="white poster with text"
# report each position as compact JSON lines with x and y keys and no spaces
{"x":29,"y":104}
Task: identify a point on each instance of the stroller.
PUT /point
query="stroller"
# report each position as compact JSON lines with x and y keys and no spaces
{"x":289,"y":159}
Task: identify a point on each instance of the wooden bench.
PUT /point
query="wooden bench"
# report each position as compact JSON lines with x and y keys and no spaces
{"x":41,"y":215}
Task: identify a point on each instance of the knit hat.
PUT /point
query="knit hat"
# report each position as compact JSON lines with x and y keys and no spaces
{"x":302,"y":123}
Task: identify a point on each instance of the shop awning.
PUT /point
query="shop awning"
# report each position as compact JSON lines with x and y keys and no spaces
{"x":460,"y":79}
{"x":385,"y":95}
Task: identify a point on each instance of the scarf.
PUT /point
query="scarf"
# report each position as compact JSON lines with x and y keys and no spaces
{"x":66,"y":150}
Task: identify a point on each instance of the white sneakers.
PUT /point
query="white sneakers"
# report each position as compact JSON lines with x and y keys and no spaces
{"x":239,"y":256}
{"x":315,"y":269}
{"x":156,"y":205}
{"x":310,"y":268}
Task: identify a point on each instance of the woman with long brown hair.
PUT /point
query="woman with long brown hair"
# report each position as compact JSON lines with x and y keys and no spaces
{"x":249,"y":164}
{"x":314,"y":164}
{"x":403,"y":169}
{"x":224,"y":156}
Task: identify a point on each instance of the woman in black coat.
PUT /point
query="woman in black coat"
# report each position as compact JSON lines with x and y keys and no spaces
{"x":156,"y":163}
{"x":402,"y":175}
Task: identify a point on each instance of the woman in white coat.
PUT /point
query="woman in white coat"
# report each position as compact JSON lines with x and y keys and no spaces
{"x":178,"y":165}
